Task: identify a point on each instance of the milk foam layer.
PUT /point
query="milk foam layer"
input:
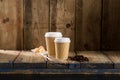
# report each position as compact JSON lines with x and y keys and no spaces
{"x":62,"y":40}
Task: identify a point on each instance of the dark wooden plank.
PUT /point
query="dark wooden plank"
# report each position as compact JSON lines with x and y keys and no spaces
{"x":88,"y":24}
{"x":7,"y":57}
{"x":10,"y":24}
{"x":60,"y":74}
{"x":111,"y":23}
{"x":35,"y":23}
{"x":97,"y":60}
{"x":29,"y":60}
{"x":63,"y":71}
{"x":114,"y":57}
{"x":62,"y":18}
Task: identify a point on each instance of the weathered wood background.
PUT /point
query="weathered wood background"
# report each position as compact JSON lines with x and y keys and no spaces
{"x":91,"y":24}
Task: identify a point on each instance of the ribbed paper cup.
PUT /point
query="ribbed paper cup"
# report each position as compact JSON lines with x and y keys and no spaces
{"x":62,"y":48}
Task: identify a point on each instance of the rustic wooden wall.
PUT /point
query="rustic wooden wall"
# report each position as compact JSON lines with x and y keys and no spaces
{"x":91,"y":24}
{"x":11,"y":24}
{"x":111,"y":25}
{"x":36,"y":22}
{"x":88,"y":24}
{"x":62,"y":18}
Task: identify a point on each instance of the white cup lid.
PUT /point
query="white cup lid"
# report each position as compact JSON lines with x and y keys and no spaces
{"x":62,"y":40}
{"x":53,"y":34}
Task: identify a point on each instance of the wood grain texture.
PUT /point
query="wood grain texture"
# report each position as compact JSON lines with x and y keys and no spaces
{"x":35,"y":23}
{"x":114,"y":56}
{"x":7,"y":58}
{"x":88,"y":24}
{"x":57,"y":65}
{"x":29,"y":60}
{"x":55,"y":72}
{"x":111,"y":23}
{"x":19,"y":21}
{"x":97,"y":60}
{"x":10,"y":24}
{"x":62,"y":18}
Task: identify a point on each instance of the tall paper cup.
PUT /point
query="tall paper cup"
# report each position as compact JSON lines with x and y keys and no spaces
{"x":49,"y":37}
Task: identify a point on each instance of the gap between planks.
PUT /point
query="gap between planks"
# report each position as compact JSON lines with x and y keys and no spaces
{"x":28,"y":60}
{"x":114,"y":56}
{"x":7,"y":58}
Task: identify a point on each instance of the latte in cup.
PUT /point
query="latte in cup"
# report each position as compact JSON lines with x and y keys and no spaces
{"x":50,"y":37}
{"x":62,"y":48}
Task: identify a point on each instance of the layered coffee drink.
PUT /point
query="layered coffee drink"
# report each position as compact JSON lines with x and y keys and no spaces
{"x":62,"y":48}
{"x":50,"y":37}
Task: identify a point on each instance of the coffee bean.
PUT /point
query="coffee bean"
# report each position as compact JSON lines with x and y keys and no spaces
{"x":86,"y":59}
{"x":79,"y":58}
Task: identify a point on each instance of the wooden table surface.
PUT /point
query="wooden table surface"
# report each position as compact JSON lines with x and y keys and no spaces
{"x":29,"y":60}
{"x":30,"y":66}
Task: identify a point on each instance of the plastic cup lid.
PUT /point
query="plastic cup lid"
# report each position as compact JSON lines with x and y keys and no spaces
{"x":53,"y":34}
{"x":62,"y":40}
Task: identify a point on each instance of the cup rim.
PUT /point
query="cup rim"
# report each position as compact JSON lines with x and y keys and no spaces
{"x":62,"y":40}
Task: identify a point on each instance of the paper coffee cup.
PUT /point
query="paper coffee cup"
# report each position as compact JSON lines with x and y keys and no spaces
{"x":62,"y":48}
{"x":50,"y":37}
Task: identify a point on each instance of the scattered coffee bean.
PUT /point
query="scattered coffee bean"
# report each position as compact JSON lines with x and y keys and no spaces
{"x":79,"y":58}
{"x":86,"y":59}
